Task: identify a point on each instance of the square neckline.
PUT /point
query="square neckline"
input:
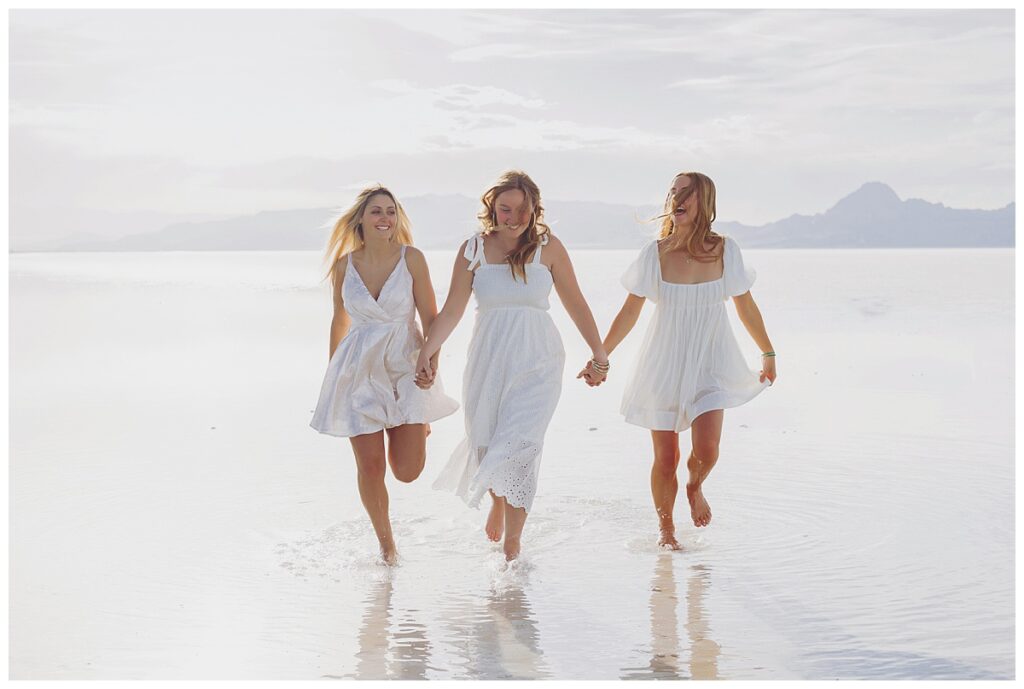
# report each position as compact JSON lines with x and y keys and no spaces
{"x":725,"y":246}
{"x":484,"y":263}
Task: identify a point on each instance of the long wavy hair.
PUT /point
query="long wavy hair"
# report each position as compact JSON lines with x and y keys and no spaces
{"x":535,"y":230}
{"x":347,"y":235}
{"x":701,"y":185}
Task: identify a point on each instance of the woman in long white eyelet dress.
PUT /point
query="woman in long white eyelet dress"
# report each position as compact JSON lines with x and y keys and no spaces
{"x":512,"y":383}
{"x":515,"y":362}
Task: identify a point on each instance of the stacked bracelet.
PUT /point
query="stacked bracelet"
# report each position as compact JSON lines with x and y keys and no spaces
{"x":599,"y":367}
{"x":768,"y":354}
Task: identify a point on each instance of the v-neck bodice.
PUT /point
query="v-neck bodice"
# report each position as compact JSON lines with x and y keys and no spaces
{"x":394,"y":304}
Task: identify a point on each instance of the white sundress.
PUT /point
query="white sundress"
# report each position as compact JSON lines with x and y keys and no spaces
{"x":370,"y":381}
{"x":511,"y":386}
{"x":689,"y":362}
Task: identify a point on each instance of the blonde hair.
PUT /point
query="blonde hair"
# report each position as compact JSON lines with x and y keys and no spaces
{"x":535,"y":231}
{"x":701,"y":185}
{"x":347,"y":235}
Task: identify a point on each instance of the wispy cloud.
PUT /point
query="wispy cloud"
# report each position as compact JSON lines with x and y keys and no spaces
{"x":221,"y":110}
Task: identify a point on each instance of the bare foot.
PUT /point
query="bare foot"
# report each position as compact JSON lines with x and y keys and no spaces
{"x":667,"y":539}
{"x":495,"y":526}
{"x":389,"y":553}
{"x":700,"y":510}
{"x":512,"y":548}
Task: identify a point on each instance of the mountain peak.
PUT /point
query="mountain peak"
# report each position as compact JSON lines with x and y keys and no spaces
{"x":873,"y":194}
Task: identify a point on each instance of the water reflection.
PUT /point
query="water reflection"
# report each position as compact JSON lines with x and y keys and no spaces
{"x":704,"y":651}
{"x":390,"y":646}
{"x":498,"y":640}
{"x":666,"y":660}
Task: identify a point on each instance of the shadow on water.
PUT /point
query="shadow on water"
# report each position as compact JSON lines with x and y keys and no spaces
{"x":390,"y":645}
{"x":668,"y":660}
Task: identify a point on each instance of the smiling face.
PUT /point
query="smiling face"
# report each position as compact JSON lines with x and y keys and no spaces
{"x":682,"y":202}
{"x":512,"y":212}
{"x":380,"y":218}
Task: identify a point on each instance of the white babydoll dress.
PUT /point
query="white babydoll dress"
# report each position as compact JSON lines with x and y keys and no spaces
{"x":689,"y":362}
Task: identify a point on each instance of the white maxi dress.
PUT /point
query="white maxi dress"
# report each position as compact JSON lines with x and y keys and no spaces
{"x":511,"y":386}
{"x":370,"y":382}
{"x":689,"y":362}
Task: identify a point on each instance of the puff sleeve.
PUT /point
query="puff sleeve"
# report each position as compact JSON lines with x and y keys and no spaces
{"x":643,"y":276}
{"x":739,"y":277}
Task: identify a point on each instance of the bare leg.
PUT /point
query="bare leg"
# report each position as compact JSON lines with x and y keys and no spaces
{"x":371,"y":467}
{"x":495,"y":526}
{"x":407,"y":451}
{"x":515,"y":520}
{"x":705,"y":434}
{"x":665,"y":485}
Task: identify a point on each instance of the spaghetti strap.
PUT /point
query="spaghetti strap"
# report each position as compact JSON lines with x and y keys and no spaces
{"x":536,"y":254}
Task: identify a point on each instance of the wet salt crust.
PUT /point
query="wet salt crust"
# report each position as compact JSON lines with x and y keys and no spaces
{"x":186,"y":523}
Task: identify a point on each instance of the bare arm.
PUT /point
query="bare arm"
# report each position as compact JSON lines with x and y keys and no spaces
{"x":422,"y":288}
{"x":568,"y":289}
{"x":750,"y":316}
{"x":451,"y":313}
{"x":624,"y":322}
{"x":341,"y":321}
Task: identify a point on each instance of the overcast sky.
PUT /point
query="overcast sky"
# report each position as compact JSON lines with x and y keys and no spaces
{"x":124,"y":120}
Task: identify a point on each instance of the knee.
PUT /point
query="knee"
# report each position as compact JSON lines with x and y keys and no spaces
{"x":371,"y":468}
{"x":408,"y":468}
{"x":706,"y":450}
{"x":665,"y":464}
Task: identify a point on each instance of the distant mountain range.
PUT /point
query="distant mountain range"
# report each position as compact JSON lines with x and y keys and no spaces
{"x":871,"y":217}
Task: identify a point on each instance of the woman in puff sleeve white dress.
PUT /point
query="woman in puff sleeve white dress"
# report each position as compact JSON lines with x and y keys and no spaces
{"x":689,"y":367}
{"x":379,"y":282}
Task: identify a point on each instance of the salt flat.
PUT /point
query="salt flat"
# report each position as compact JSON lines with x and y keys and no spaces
{"x":173,"y":515}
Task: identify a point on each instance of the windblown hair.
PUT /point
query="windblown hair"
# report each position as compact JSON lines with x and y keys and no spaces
{"x":347,"y":235}
{"x":701,"y":185}
{"x":532,"y":237}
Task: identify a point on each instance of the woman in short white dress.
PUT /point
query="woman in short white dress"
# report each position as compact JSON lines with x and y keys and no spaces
{"x":514,"y":367}
{"x":690,"y":367}
{"x":379,"y":281}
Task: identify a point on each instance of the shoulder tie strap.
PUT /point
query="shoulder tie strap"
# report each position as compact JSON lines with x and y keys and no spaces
{"x":474,"y":252}
{"x":543,"y":243}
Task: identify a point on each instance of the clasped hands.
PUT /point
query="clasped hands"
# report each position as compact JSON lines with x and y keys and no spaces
{"x":426,"y":371}
{"x":591,"y":376}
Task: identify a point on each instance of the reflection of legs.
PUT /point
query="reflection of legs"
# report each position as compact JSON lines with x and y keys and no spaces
{"x":704,"y":651}
{"x":705,"y":434}
{"x":515,"y":520}
{"x":407,"y":451}
{"x":664,"y":484}
{"x":495,"y":526}
{"x":370,"y":465}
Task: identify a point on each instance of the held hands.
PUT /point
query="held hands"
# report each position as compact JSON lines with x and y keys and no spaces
{"x":426,"y":371}
{"x":592,"y":376}
{"x":768,"y":368}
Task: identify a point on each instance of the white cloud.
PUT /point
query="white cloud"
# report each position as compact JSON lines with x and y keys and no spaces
{"x":233,"y":111}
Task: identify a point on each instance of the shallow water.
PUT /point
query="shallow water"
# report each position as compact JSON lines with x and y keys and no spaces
{"x":173,"y":516}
